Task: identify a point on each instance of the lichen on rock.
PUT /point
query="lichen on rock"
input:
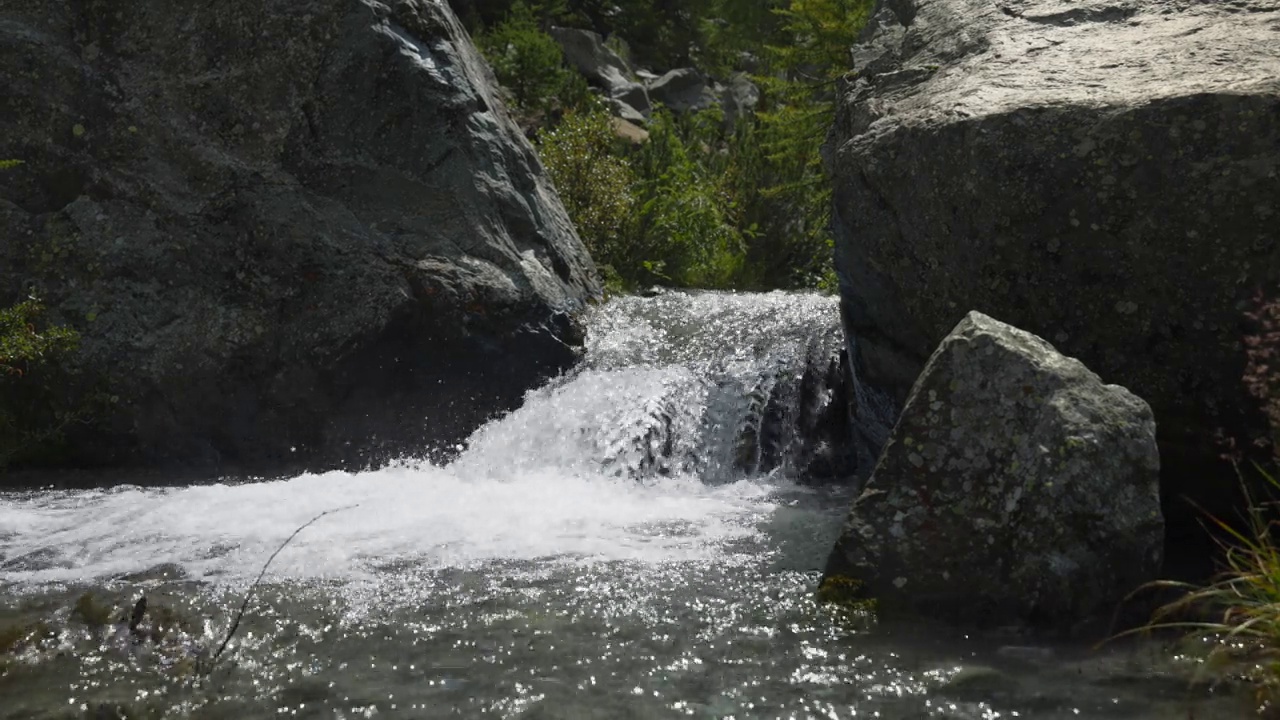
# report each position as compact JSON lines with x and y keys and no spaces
{"x":1103,"y":173}
{"x":1016,"y":489}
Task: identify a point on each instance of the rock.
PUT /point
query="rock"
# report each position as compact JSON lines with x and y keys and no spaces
{"x":739,"y":99}
{"x":292,"y":235}
{"x":623,"y":111}
{"x":682,"y":90}
{"x":1016,"y":489}
{"x":634,"y":96}
{"x":1104,"y":173}
{"x":586,"y":51}
{"x":629,"y":131}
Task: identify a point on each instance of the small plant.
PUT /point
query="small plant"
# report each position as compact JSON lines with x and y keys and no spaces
{"x":1237,"y":615}
{"x":31,"y":351}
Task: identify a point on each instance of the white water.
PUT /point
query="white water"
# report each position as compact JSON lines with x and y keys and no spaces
{"x":431,"y":516}
{"x":565,"y":476}
{"x":610,"y":549}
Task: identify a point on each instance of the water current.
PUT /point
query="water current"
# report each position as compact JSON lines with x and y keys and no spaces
{"x":641,"y":539}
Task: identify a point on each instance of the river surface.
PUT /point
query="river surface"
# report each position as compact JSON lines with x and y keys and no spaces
{"x":636,"y":541}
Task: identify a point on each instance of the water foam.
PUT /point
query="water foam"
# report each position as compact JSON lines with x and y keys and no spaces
{"x":636,"y":457}
{"x":425,"y":515}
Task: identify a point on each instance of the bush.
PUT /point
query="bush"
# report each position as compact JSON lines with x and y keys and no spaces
{"x":32,"y":419}
{"x":529,"y":63}
{"x":594,"y":182}
{"x":685,"y":232}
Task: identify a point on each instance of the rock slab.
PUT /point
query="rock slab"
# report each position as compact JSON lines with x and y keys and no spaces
{"x":1016,"y":489}
{"x":291,"y":234}
{"x":1103,"y":173}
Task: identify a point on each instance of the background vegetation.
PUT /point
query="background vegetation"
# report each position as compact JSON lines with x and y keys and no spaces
{"x":701,"y":203}
{"x":32,"y":378}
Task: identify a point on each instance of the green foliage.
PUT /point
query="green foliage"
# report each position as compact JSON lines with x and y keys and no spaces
{"x":529,"y":63}
{"x":656,"y":214}
{"x":31,"y":418}
{"x":9,"y":164}
{"x":1235,"y":620}
{"x":21,"y":346}
{"x":817,"y":35}
{"x":699,"y":204}
{"x":685,"y":230}
{"x":593,"y":180}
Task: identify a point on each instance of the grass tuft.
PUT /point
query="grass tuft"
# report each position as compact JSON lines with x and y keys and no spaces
{"x":1237,"y":615}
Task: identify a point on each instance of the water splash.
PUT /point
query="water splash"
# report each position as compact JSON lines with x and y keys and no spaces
{"x":669,"y":442}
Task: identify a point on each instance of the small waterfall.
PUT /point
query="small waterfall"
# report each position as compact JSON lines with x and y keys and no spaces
{"x":688,"y":414}
{"x":714,"y":385}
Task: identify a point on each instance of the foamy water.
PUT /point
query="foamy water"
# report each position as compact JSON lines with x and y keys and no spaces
{"x":423,"y":515}
{"x":611,"y":549}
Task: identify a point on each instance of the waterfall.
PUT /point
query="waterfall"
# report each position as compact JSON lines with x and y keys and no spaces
{"x":707,"y":384}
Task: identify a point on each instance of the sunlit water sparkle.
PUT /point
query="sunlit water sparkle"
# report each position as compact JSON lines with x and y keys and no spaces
{"x":599,"y":553}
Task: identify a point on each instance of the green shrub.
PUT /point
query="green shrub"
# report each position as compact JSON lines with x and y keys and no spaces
{"x":32,"y":418}
{"x":685,"y":231}
{"x":695,"y":206}
{"x":594,"y":182}
{"x":529,"y":63}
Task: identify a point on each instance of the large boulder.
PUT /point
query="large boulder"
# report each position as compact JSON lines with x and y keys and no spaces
{"x":1103,"y":173}
{"x":1016,"y":489}
{"x":291,"y":234}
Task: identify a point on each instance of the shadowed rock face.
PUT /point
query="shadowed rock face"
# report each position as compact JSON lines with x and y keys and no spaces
{"x":291,"y":234}
{"x":1016,"y":488}
{"x":1103,"y":173}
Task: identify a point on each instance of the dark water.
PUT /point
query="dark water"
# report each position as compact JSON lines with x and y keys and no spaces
{"x":630,"y":544}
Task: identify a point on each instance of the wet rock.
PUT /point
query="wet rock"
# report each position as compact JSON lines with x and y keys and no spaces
{"x":291,"y":235}
{"x":1016,"y":489}
{"x":1104,"y":174}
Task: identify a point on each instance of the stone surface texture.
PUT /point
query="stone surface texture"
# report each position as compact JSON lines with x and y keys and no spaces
{"x":1103,"y":173}
{"x":604,"y":68}
{"x":683,"y":90}
{"x":1016,"y":489}
{"x":291,"y":234}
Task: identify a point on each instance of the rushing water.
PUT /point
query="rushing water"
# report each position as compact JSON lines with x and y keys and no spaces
{"x":636,"y":541}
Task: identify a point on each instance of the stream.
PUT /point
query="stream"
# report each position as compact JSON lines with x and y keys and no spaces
{"x":641,"y":539}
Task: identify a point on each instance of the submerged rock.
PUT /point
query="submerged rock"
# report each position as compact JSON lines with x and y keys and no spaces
{"x":291,"y":235}
{"x":1103,"y":173}
{"x":1016,"y":489}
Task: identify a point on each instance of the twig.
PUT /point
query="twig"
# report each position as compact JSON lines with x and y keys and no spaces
{"x":244,"y":606}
